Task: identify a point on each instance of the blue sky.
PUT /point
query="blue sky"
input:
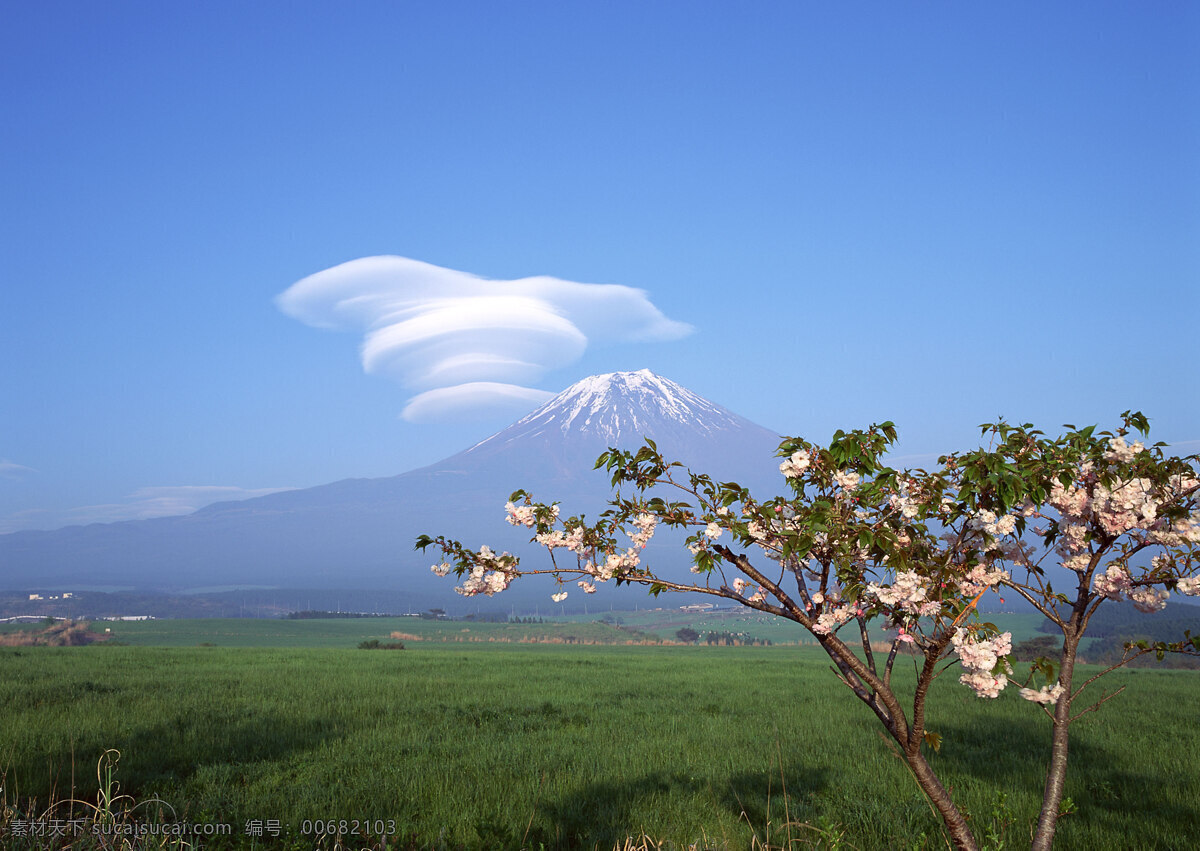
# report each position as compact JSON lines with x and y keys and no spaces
{"x":935,"y":213}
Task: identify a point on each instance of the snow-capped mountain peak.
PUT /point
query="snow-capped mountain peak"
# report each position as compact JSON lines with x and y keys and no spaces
{"x":618,"y":408}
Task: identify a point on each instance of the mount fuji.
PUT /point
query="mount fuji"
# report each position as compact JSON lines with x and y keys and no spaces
{"x":359,"y":533}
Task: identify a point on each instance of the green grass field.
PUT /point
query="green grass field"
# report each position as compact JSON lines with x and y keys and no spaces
{"x":498,"y":745}
{"x":348,"y":632}
{"x":622,"y":628}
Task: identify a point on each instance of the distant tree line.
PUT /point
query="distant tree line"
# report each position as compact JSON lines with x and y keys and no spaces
{"x":1117,"y":621}
{"x":731,"y":639}
{"x":1115,"y":626}
{"x":728,"y":639}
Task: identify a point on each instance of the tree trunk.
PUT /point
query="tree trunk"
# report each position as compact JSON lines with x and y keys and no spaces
{"x":1056,"y":774}
{"x":952,"y":817}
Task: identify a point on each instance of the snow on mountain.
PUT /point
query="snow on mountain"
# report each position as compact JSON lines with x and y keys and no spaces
{"x":617,"y":405}
{"x":621,"y":409}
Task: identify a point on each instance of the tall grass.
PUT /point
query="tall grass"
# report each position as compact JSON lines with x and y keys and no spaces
{"x":584,"y":747}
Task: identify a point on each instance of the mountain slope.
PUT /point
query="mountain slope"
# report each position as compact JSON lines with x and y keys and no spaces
{"x":359,"y":532}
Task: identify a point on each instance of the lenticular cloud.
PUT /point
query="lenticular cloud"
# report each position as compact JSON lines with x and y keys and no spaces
{"x":468,"y":344}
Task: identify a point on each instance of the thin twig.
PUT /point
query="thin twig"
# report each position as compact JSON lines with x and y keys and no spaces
{"x":1096,"y":705}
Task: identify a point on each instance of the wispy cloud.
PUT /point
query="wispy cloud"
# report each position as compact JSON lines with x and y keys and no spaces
{"x":472,"y":399}
{"x":142,"y":504}
{"x":13,"y":470}
{"x":1180,"y":448}
{"x":469,"y":344}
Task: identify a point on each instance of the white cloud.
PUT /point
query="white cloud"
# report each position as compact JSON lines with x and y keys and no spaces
{"x":142,"y":504}
{"x":475,"y":398}
{"x":184,"y":499}
{"x":462,"y":337}
{"x":13,"y":470}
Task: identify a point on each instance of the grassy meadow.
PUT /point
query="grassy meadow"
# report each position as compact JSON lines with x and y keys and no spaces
{"x":457,"y":743}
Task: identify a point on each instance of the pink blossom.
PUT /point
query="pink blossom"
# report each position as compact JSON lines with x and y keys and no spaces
{"x":1148,"y":600}
{"x":1119,"y":453}
{"x":1112,"y":583}
{"x":909,"y":592}
{"x":1189,"y":586}
{"x":979,"y":579}
{"x":1044,"y":695}
{"x":984,"y":684}
{"x":847,"y":480}
{"x":980,"y":657}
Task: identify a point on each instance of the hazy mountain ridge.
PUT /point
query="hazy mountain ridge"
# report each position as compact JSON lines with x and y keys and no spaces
{"x":360,"y":532}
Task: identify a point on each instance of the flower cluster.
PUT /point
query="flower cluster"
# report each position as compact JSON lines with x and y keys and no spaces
{"x":1178,"y":534}
{"x":487,"y":576}
{"x":1126,"y":505}
{"x":795,"y":465}
{"x":1119,"y":453}
{"x":830,"y":620}
{"x":1043,"y":695}
{"x":645,"y":524}
{"x":522,"y":515}
{"x":991,"y":525}
{"x":614,"y":564}
{"x":1189,"y":586}
{"x":909,"y":593}
{"x":1149,"y":600}
{"x":1115,"y":583}
{"x":557,"y":538}
{"x":905,"y":503}
{"x":981,"y":658}
{"x":979,"y":579}
{"x":740,"y":585}
{"x":1070,"y":501}
{"x":847,"y":480}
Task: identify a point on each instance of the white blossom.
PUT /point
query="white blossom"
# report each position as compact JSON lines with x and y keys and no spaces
{"x":1046,"y":694}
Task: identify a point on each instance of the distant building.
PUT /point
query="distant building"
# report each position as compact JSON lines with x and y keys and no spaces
{"x":35,"y":596}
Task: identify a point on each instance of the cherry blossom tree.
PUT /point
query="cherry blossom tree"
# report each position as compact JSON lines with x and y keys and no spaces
{"x":855,"y":542}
